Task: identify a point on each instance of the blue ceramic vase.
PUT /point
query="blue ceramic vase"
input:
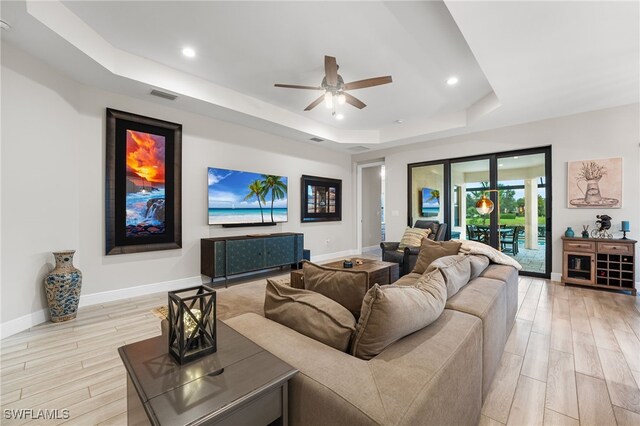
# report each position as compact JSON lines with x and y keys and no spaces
{"x":569,"y":232}
{"x":63,"y":286}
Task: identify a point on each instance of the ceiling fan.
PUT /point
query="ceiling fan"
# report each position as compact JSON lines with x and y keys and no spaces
{"x":335,"y":87}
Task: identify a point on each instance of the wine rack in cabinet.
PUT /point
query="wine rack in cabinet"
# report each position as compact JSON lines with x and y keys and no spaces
{"x":599,"y":263}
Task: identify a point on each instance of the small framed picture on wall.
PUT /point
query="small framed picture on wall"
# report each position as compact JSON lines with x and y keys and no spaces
{"x":321,"y":199}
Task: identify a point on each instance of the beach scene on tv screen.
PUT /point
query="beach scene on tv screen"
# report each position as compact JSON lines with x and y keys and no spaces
{"x":430,"y":202}
{"x":243,"y":197}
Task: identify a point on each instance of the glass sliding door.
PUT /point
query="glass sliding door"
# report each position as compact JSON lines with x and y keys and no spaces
{"x":426,"y":193}
{"x":469,"y":180}
{"x":518,"y":185}
{"x":523,"y":209}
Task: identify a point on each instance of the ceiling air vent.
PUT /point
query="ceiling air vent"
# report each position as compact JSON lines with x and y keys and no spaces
{"x":163,"y":95}
{"x":358,"y":148}
{"x":316,"y":139}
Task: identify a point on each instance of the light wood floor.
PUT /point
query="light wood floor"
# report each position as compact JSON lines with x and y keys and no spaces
{"x":572,"y":358}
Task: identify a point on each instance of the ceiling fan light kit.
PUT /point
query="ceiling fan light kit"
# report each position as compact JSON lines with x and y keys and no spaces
{"x":328,"y":100}
{"x":334,"y":86}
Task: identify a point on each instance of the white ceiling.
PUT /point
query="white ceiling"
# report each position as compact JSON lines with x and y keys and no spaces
{"x":517,"y":61}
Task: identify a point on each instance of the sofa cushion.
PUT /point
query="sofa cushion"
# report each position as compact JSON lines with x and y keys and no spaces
{"x":391,"y":312}
{"x":309,"y":313}
{"x":434,"y":373}
{"x":478,"y":264}
{"x":456,"y":271}
{"x":413,"y":237}
{"x":508,"y":275}
{"x":432,"y":250}
{"x":486,"y":299}
{"x":347,"y":287}
{"x":433,"y":376}
{"x":409,"y":279}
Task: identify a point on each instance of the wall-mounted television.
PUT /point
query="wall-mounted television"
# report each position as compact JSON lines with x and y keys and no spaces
{"x":429,"y":202}
{"x":238,"y":198}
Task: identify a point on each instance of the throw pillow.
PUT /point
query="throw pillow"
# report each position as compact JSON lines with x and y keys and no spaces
{"x":347,"y":287}
{"x":432,"y":250}
{"x":391,"y":312}
{"x":309,"y":313}
{"x":412,"y":237}
{"x":456,"y":271}
{"x":478,"y":264}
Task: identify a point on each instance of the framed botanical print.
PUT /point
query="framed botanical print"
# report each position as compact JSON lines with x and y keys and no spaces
{"x":321,"y":199}
{"x":594,"y":184}
{"x":143,"y":184}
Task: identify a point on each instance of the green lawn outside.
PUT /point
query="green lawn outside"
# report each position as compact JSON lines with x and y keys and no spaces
{"x":508,"y":222}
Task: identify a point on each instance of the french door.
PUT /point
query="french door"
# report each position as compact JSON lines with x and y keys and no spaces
{"x":518,"y":183}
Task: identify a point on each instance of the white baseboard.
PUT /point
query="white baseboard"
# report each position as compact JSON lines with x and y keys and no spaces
{"x":25,"y":322}
{"x":556,"y":276}
{"x":332,"y":256}
{"x":141,"y":290}
{"x":371,"y":248}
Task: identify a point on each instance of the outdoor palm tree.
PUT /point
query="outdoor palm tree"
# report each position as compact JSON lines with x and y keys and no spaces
{"x":275,"y":185}
{"x":256,"y":189}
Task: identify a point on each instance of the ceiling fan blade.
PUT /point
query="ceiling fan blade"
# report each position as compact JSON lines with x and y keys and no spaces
{"x":331,"y":70}
{"x":352,"y":100}
{"x":295,"y":86}
{"x":315,"y":103}
{"x":369,"y":82}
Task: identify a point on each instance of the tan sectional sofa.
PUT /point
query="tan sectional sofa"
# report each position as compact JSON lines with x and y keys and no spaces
{"x":438,"y":375}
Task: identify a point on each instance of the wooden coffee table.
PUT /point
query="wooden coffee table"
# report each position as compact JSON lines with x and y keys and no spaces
{"x":378,"y":272}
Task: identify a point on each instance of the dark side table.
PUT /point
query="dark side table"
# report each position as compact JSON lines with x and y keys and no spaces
{"x":240,"y":384}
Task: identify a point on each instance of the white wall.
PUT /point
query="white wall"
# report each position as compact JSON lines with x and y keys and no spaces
{"x":613,"y":132}
{"x":53,"y":168}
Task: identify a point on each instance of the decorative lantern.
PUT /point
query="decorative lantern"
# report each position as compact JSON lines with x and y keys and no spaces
{"x":192,"y":323}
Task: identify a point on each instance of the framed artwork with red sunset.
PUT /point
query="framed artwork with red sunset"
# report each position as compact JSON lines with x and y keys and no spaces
{"x":143,"y":184}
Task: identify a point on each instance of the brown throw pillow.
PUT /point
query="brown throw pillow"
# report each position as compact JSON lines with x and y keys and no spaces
{"x":432,"y":250}
{"x":347,"y":287}
{"x":391,"y":312}
{"x":456,"y":271}
{"x":309,"y":313}
{"x":412,"y":237}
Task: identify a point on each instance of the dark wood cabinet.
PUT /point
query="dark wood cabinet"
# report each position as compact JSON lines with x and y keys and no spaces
{"x":226,"y":256}
{"x":240,"y":384}
{"x":599,"y":263}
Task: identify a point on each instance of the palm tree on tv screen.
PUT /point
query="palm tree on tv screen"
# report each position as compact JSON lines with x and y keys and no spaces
{"x":256,"y":189}
{"x":275,"y":185}
{"x":435,"y":195}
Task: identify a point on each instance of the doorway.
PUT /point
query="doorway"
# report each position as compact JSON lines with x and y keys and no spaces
{"x":371,"y":229}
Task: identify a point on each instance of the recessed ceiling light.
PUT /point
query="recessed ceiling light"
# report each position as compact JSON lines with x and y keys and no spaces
{"x":399,"y":121}
{"x":339,"y":116}
{"x":189,"y":52}
{"x":452,"y":81}
{"x":4,"y":25}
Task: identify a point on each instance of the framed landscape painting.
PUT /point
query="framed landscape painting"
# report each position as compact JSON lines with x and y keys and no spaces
{"x":143,"y":184}
{"x":321,"y":199}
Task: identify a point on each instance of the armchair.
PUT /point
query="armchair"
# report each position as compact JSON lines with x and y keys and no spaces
{"x":407,"y":259}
